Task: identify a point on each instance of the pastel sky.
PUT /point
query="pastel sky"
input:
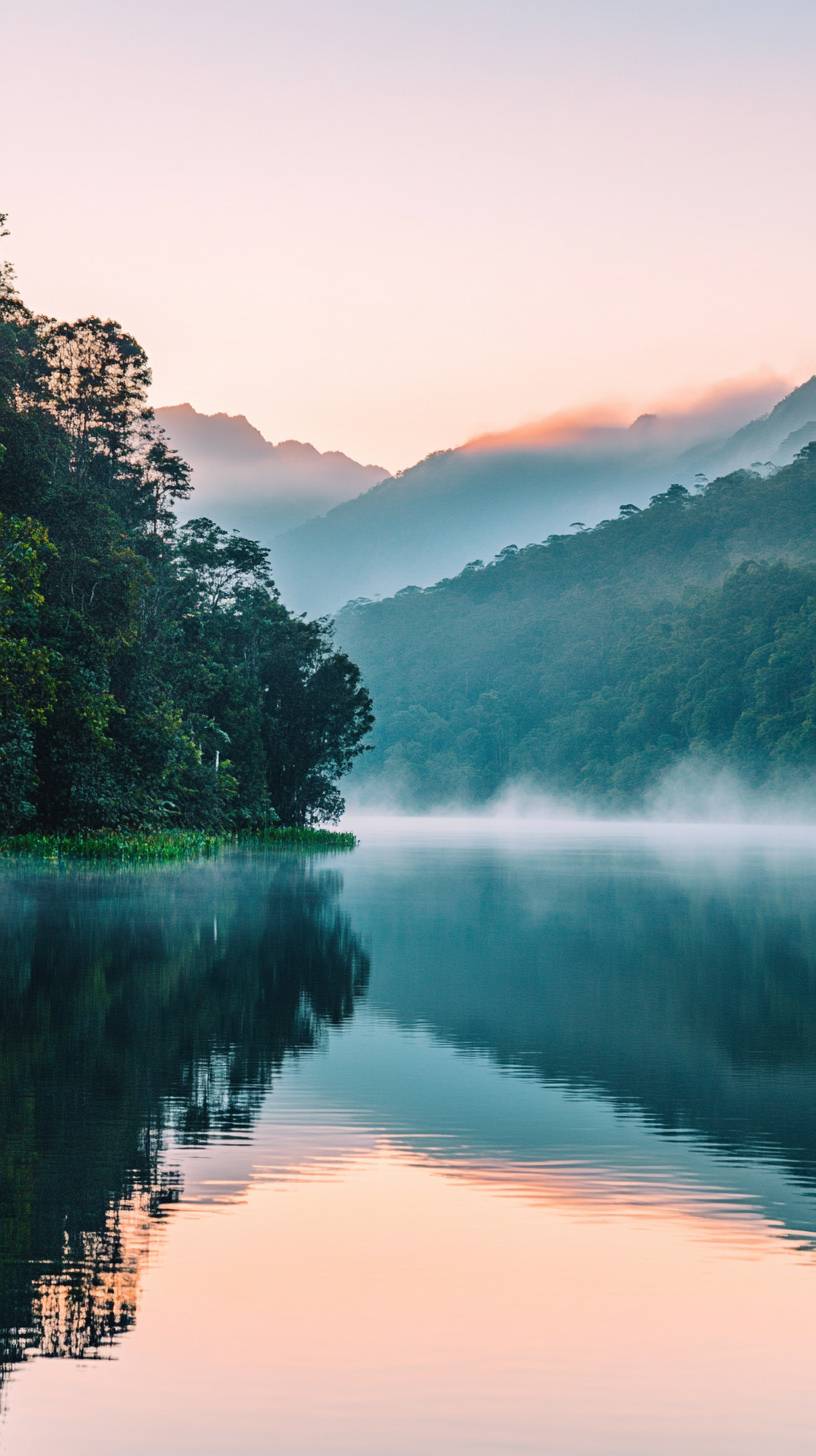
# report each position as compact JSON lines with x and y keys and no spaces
{"x":388,"y":225}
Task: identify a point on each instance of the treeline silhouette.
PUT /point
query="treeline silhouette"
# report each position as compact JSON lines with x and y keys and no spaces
{"x":135,"y":1007}
{"x":149,"y":673}
{"x":593,"y":662}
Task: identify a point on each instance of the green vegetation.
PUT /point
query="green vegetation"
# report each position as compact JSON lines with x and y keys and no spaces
{"x":591,"y":663}
{"x":135,"y":847}
{"x":150,"y":676}
{"x":304,"y":838}
{"x":151,"y":846}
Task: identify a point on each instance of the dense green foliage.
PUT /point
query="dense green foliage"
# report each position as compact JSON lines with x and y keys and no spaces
{"x":149,"y":674}
{"x":593,"y":662}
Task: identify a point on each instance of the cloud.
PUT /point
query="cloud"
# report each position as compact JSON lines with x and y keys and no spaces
{"x":680,"y":418}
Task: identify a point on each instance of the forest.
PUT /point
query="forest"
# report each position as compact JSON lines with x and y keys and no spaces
{"x":591,"y":663}
{"x":150,"y":675}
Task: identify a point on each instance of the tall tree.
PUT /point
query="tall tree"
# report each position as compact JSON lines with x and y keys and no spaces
{"x":160,"y":679}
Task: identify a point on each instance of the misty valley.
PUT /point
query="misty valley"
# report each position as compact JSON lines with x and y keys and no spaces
{"x":407,"y":869}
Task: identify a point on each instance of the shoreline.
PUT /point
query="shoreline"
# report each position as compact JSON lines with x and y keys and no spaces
{"x":164,"y":845}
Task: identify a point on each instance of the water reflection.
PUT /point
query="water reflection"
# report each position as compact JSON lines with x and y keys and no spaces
{"x":652,"y":990}
{"x":138,"y":1009}
{"x":601,"y":1031}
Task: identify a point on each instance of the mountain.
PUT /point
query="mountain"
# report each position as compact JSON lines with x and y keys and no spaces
{"x":596,"y":663}
{"x":254,"y":486}
{"x":776,"y":436}
{"x":468,"y":503}
{"x":793,"y":443}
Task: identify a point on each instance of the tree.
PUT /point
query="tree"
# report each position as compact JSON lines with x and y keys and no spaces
{"x":98,"y":377}
{"x":26,"y":680}
{"x":164,"y":477}
{"x":219,"y":563}
{"x":149,"y":673}
{"x":675,"y":495}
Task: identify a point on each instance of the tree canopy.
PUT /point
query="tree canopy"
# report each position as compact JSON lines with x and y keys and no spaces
{"x":149,"y":673}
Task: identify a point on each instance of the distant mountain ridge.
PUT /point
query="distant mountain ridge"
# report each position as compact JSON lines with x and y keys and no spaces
{"x":776,"y":436}
{"x":260,"y":488}
{"x":597,"y":663}
{"x":459,"y":505}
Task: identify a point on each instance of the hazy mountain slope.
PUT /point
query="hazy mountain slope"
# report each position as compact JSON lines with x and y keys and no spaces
{"x":445,"y":512}
{"x":594,"y":662}
{"x":255,"y":486}
{"x":796,"y":441}
{"x":469,"y":503}
{"x":775,"y":437}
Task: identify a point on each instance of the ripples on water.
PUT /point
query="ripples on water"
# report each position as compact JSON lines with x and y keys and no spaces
{"x":415,"y":1094}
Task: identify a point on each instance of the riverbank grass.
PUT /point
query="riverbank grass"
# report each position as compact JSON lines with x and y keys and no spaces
{"x":154,"y":846}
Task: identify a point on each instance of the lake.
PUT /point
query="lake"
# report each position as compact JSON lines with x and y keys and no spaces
{"x":482,"y":1137}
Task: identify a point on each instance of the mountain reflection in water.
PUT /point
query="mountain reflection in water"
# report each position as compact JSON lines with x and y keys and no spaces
{"x":609,"y":1029}
{"x":673,"y":986}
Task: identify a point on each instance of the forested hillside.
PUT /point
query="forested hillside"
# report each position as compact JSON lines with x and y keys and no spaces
{"x":594,"y":661}
{"x":460,"y":505}
{"x":149,"y":673}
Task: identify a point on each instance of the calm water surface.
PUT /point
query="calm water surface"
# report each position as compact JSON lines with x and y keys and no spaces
{"x":467,"y":1141}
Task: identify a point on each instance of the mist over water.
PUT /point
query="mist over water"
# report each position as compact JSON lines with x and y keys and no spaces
{"x":697,"y":797}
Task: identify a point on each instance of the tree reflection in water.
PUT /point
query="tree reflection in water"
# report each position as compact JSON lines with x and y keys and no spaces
{"x":134,"y":1005}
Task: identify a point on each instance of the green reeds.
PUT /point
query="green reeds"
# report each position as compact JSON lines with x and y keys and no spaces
{"x":152,"y":846}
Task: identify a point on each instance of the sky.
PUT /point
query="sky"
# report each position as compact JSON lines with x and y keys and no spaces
{"x":386,"y":226}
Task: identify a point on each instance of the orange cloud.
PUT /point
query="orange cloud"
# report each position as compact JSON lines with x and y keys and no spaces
{"x":718,"y":408}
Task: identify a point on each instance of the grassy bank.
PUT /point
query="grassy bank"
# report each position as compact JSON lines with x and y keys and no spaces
{"x":153,"y":846}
